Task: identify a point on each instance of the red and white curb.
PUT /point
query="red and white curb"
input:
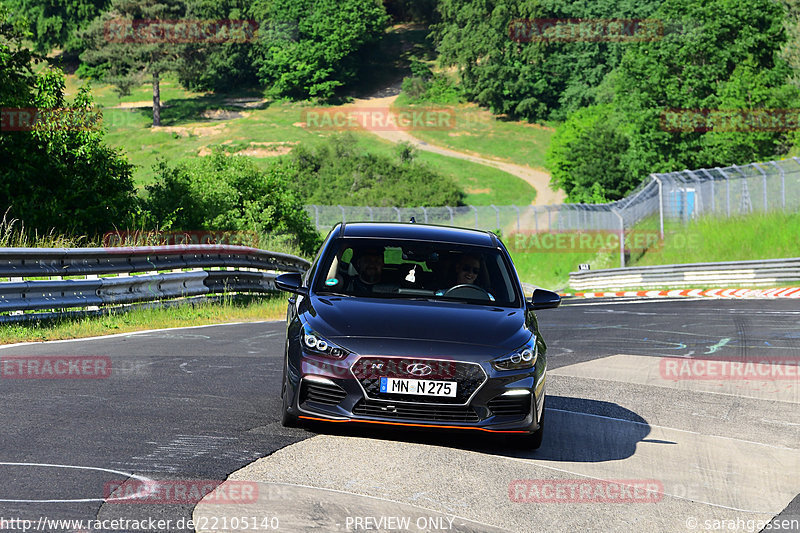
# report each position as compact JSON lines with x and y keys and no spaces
{"x":781,"y":292}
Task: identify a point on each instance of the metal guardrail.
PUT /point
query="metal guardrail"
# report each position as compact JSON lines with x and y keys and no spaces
{"x":119,"y":276}
{"x":756,"y":273}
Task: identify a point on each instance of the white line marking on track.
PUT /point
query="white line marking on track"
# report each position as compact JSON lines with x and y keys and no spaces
{"x":147,"y":482}
{"x":130,"y":333}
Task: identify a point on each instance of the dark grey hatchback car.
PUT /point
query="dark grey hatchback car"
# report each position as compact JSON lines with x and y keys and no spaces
{"x":415,"y":325}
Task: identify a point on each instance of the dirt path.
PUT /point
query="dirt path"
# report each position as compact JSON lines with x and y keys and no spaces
{"x":538,"y":179}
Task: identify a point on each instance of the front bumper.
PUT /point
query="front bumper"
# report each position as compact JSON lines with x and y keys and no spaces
{"x":497,"y":402}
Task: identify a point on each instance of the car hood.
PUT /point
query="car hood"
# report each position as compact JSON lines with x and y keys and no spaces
{"x":419,"y":326}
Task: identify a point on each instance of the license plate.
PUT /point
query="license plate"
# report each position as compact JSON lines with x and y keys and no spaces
{"x":422,"y":387}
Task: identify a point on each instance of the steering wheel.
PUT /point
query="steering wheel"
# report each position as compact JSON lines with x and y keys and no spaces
{"x":468,"y":290}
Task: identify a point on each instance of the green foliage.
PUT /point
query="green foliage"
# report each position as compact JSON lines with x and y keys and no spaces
{"x":727,"y":57}
{"x":55,"y":24}
{"x":312,"y":47}
{"x":495,"y":71}
{"x":60,"y":174}
{"x":585,"y":156}
{"x":219,"y":67}
{"x":126,"y":61}
{"x":230,"y":193}
{"x":436,"y":89}
{"x":339,"y":172}
{"x":532,"y":80}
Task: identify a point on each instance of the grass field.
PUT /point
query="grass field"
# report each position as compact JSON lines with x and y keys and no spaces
{"x":239,"y":310}
{"x":753,"y":237}
{"x":193,"y":124}
{"x":476,"y":131}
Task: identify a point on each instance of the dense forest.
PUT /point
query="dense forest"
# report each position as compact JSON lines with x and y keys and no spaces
{"x":606,"y":95}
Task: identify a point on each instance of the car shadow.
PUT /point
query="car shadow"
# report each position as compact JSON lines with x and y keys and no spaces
{"x":576,"y":430}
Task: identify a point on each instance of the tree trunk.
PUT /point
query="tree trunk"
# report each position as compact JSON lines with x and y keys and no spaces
{"x":156,"y":101}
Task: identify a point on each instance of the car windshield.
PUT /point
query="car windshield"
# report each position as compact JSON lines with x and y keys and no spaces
{"x":420,"y":270}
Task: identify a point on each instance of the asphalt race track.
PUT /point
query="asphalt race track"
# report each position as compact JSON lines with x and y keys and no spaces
{"x":661,"y":445}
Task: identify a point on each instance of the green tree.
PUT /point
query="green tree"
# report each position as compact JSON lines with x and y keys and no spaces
{"x":129,"y":57}
{"x":340,"y":172}
{"x":58,"y":173}
{"x":726,"y":58}
{"x":229,"y":193}
{"x":585,"y":156}
{"x":219,"y":66}
{"x":515,"y":74}
{"x":55,"y":24}
{"x":310,"y":48}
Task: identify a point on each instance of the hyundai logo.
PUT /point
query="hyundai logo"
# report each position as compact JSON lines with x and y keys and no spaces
{"x":419,"y":369}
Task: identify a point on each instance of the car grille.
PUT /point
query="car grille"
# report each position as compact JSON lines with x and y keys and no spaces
{"x":423,"y":413}
{"x":369,"y":370}
{"x":510,"y":405}
{"x":324,"y":393}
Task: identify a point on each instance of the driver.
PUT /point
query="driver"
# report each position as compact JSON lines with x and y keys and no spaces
{"x":468,"y":268}
{"x":369,"y":265}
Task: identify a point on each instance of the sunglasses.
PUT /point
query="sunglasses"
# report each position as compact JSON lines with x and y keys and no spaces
{"x":468,"y":269}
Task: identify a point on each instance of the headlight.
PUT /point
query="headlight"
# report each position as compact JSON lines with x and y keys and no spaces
{"x":522,"y":358}
{"x":317,"y":345}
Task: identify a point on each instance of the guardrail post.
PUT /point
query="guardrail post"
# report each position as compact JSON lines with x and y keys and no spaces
{"x":660,"y":205}
{"x":621,"y":238}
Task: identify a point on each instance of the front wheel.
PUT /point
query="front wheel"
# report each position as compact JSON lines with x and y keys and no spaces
{"x":534,"y":440}
{"x":288,"y":420}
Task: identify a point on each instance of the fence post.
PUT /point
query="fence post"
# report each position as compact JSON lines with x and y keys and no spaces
{"x":398,"y":213}
{"x":549,"y":220}
{"x":727,"y":189}
{"x":764,"y":177}
{"x":450,"y":210}
{"x":476,"y":215}
{"x":783,"y":183}
{"x":621,"y":238}
{"x":536,"y":218}
{"x":371,"y":216}
{"x":425,"y":212}
{"x":497,"y":215}
{"x":316,"y":216}
{"x":343,"y":217}
{"x":517,"y":210}
{"x":660,"y":205}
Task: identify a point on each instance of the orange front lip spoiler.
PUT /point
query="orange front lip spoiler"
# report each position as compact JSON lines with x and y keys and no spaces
{"x":439,"y":426}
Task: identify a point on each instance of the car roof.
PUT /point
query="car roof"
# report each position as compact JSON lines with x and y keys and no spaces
{"x":422,"y":232}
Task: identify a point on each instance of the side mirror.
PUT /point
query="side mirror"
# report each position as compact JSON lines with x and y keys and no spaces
{"x":291,"y":282}
{"x":544,"y":299}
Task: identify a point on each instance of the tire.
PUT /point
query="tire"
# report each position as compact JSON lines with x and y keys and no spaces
{"x":288,"y":420}
{"x":534,"y":440}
